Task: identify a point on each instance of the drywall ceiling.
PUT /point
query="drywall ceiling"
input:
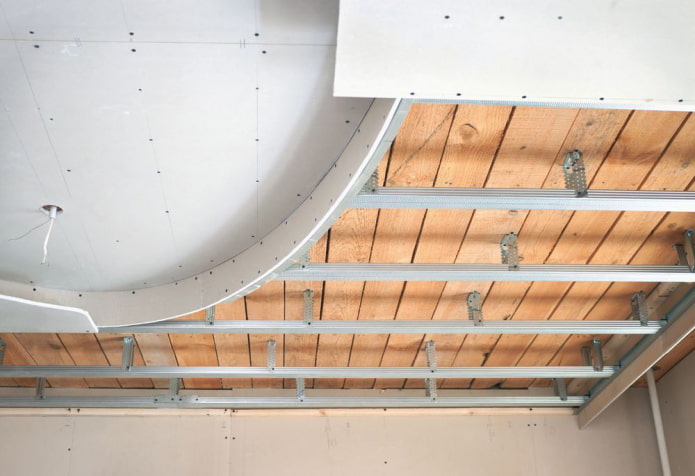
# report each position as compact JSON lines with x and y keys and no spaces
{"x":17,"y":312}
{"x":629,"y":54}
{"x":174,"y":135}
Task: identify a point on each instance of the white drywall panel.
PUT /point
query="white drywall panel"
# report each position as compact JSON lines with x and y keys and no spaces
{"x":622,"y":442}
{"x":296,"y":22}
{"x":152,"y":21}
{"x":21,"y":315}
{"x":293,"y":130}
{"x":676,"y":390}
{"x":634,"y":53}
{"x":180,"y":138}
{"x":258,"y":263}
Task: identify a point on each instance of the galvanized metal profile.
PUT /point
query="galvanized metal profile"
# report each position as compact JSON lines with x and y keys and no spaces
{"x":681,"y":322}
{"x":93,"y":371}
{"x":128,"y":353}
{"x":308,"y":307}
{"x":301,"y":389}
{"x":640,"y":310}
{"x":192,"y":401}
{"x":271,"y":356}
{"x":391,"y":326}
{"x":524,"y":199}
{"x":431,"y":382}
{"x":560,"y":388}
{"x":210,"y":315}
{"x":40,"y":387}
{"x":488,"y":272}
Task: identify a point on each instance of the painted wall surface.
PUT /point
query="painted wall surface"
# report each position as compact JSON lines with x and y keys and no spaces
{"x":676,"y":390}
{"x":620,"y":442}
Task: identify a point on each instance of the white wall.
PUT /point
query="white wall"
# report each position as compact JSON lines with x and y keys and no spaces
{"x":620,"y":442}
{"x":676,"y":390}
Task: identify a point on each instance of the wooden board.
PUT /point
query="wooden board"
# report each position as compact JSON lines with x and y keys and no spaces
{"x":48,"y":349}
{"x":196,"y":350}
{"x":266,"y":303}
{"x":628,"y":232}
{"x":16,"y":354}
{"x":301,"y":349}
{"x":232,"y":349}
{"x":414,"y":160}
{"x":470,"y":149}
{"x":112,"y":346}
{"x":156,"y":350}
{"x":530,"y":146}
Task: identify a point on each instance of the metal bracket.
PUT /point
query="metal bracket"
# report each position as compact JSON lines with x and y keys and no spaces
{"x":210,"y":316}
{"x":690,"y":249}
{"x":682,"y":255}
{"x":593,"y":355}
{"x":308,"y":310}
{"x":300,"y":389}
{"x":174,"y":388}
{"x":271,"y":354}
{"x":431,"y":383}
{"x":3,"y":346}
{"x":128,"y":353}
{"x":475,"y":303}
{"x":560,"y":388}
{"x":304,"y":261}
{"x":40,"y":386}
{"x":640,"y":312}
{"x":371,"y":184}
{"x":575,"y":173}
{"x":586,"y":355}
{"x":510,"y":251}
{"x":431,"y":353}
{"x":597,"y":355}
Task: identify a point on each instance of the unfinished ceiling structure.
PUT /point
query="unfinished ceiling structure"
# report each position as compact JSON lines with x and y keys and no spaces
{"x":457,"y":252}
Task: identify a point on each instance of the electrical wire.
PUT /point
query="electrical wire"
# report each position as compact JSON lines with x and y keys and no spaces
{"x":45,"y":242}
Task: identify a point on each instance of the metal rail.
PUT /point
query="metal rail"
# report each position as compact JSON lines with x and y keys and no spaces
{"x":642,"y":357}
{"x":390,"y":327}
{"x":93,"y":371}
{"x":192,"y":401}
{"x":525,"y":199}
{"x":487,"y":272}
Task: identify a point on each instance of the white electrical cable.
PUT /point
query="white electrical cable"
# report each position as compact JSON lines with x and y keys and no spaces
{"x":51,"y":218}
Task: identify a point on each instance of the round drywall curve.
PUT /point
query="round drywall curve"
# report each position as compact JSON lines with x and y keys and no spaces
{"x":257,"y":264}
{"x":173,"y":137}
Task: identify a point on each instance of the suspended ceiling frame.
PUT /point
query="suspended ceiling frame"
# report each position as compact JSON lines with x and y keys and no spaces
{"x":655,"y":331}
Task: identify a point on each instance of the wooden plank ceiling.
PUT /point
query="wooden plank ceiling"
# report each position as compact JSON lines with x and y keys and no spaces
{"x":447,"y":146}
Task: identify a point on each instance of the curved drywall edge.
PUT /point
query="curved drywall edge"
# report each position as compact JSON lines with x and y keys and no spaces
{"x":49,"y":318}
{"x":257,"y":264}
